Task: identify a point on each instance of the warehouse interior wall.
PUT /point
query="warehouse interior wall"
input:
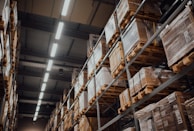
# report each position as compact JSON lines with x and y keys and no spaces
{"x":26,"y":124}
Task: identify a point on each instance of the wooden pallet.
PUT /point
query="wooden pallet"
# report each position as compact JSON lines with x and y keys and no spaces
{"x":92,"y":100}
{"x":91,"y":74}
{"x":185,"y":61}
{"x":113,"y":39}
{"x":82,"y":112}
{"x":105,"y":63}
{"x":149,"y":56}
{"x":141,"y":15}
{"x":124,"y":108}
{"x":140,"y":95}
{"x":120,"y":67}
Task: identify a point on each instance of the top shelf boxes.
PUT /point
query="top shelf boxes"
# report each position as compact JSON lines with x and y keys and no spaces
{"x":127,"y":8}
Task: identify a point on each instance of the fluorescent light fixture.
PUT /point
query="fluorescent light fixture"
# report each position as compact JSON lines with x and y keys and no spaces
{"x":41,"y":95}
{"x":39,"y":102}
{"x":59,"y":30}
{"x":35,"y":118}
{"x":46,"y":76}
{"x":65,"y":7}
{"x":49,"y":66}
{"x":37,"y":108}
{"x":36,"y":114}
{"x":54,"y":50}
{"x":43,"y":87}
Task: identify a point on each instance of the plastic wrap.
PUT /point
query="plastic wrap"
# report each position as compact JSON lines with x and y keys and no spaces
{"x":83,"y":101}
{"x":76,"y":88}
{"x":82,"y":78}
{"x":111,"y":28}
{"x":178,"y":37}
{"x":91,"y":65}
{"x":91,"y":90}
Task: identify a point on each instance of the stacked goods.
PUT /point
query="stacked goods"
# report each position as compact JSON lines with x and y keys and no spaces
{"x":178,"y":40}
{"x":90,"y":124}
{"x":144,"y":81}
{"x":103,"y":79}
{"x":145,"y":118}
{"x":91,"y":91}
{"x":126,"y":9}
{"x":91,"y":43}
{"x":111,"y":30}
{"x":134,"y":38}
{"x":69,"y":103}
{"x":189,"y":105}
{"x":75,"y":73}
{"x":129,"y":129}
{"x":91,"y":66}
{"x":76,"y":110}
{"x":4,"y":14}
{"x":83,"y":102}
{"x":97,"y":57}
{"x":117,"y":62}
{"x":99,"y":52}
{"x":68,"y":121}
{"x":125,"y":100}
{"x":80,"y":83}
{"x":63,"y":111}
{"x":169,"y":113}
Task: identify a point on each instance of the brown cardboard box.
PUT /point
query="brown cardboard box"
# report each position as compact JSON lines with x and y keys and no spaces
{"x":116,"y":58}
{"x":178,"y":37}
{"x":124,"y":98}
{"x":91,"y":90}
{"x":137,"y":82}
{"x":83,"y":101}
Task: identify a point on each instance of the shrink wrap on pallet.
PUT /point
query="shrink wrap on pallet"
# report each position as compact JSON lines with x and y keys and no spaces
{"x":100,"y":51}
{"x":93,"y":38}
{"x":103,"y":78}
{"x":83,"y":101}
{"x":82,"y":78}
{"x":178,"y":36}
{"x":138,"y":32}
{"x":91,"y":66}
{"x":91,"y":90}
{"x":74,"y":76}
{"x":76,"y":89}
{"x":111,"y":28}
{"x":189,"y":104}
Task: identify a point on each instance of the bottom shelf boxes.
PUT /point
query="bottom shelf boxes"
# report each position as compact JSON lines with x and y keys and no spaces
{"x":167,"y":114}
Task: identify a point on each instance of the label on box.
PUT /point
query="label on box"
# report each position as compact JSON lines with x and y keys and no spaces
{"x":178,"y":117}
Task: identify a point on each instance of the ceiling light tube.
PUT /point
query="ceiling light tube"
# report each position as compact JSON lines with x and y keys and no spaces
{"x":46,"y":76}
{"x":54,"y":50}
{"x":49,"y":66}
{"x":41,"y":95}
{"x":37,"y":108}
{"x":59,"y":30}
{"x":36,"y":114}
{"x":39,"y":102}
{"x":43,"y":87}
{"x":35,"y":118}
{"x":65,"y":7}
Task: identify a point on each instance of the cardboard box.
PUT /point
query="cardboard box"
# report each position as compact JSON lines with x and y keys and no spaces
{"x":93,"y":38}
{"x":124,"y":98}
{"x":178,"y":38}
{"x":91,"y":65}
{"x":4,"y":14}
{"x":137,"y":82}
{"x":116,"y":58}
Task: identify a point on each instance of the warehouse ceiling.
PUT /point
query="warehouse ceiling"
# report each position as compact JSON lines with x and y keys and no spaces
{"x":38,"y":22}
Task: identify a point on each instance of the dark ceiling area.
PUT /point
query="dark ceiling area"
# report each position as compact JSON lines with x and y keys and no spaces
{"x":38,"y":22}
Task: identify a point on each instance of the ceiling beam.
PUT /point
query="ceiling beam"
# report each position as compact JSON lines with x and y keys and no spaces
{"x":49,"y":24}
{"x":36,"y":101}
{"x":31,"y":115}
{"x":63,"y":78}
{"x":37,"y":64}
{"x":74,"y":62}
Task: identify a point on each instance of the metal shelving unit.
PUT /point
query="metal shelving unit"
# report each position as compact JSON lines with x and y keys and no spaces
{"x":164,"y":85}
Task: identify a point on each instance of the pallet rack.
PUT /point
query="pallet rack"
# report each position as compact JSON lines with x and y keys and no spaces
{"x":131,"y":109}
